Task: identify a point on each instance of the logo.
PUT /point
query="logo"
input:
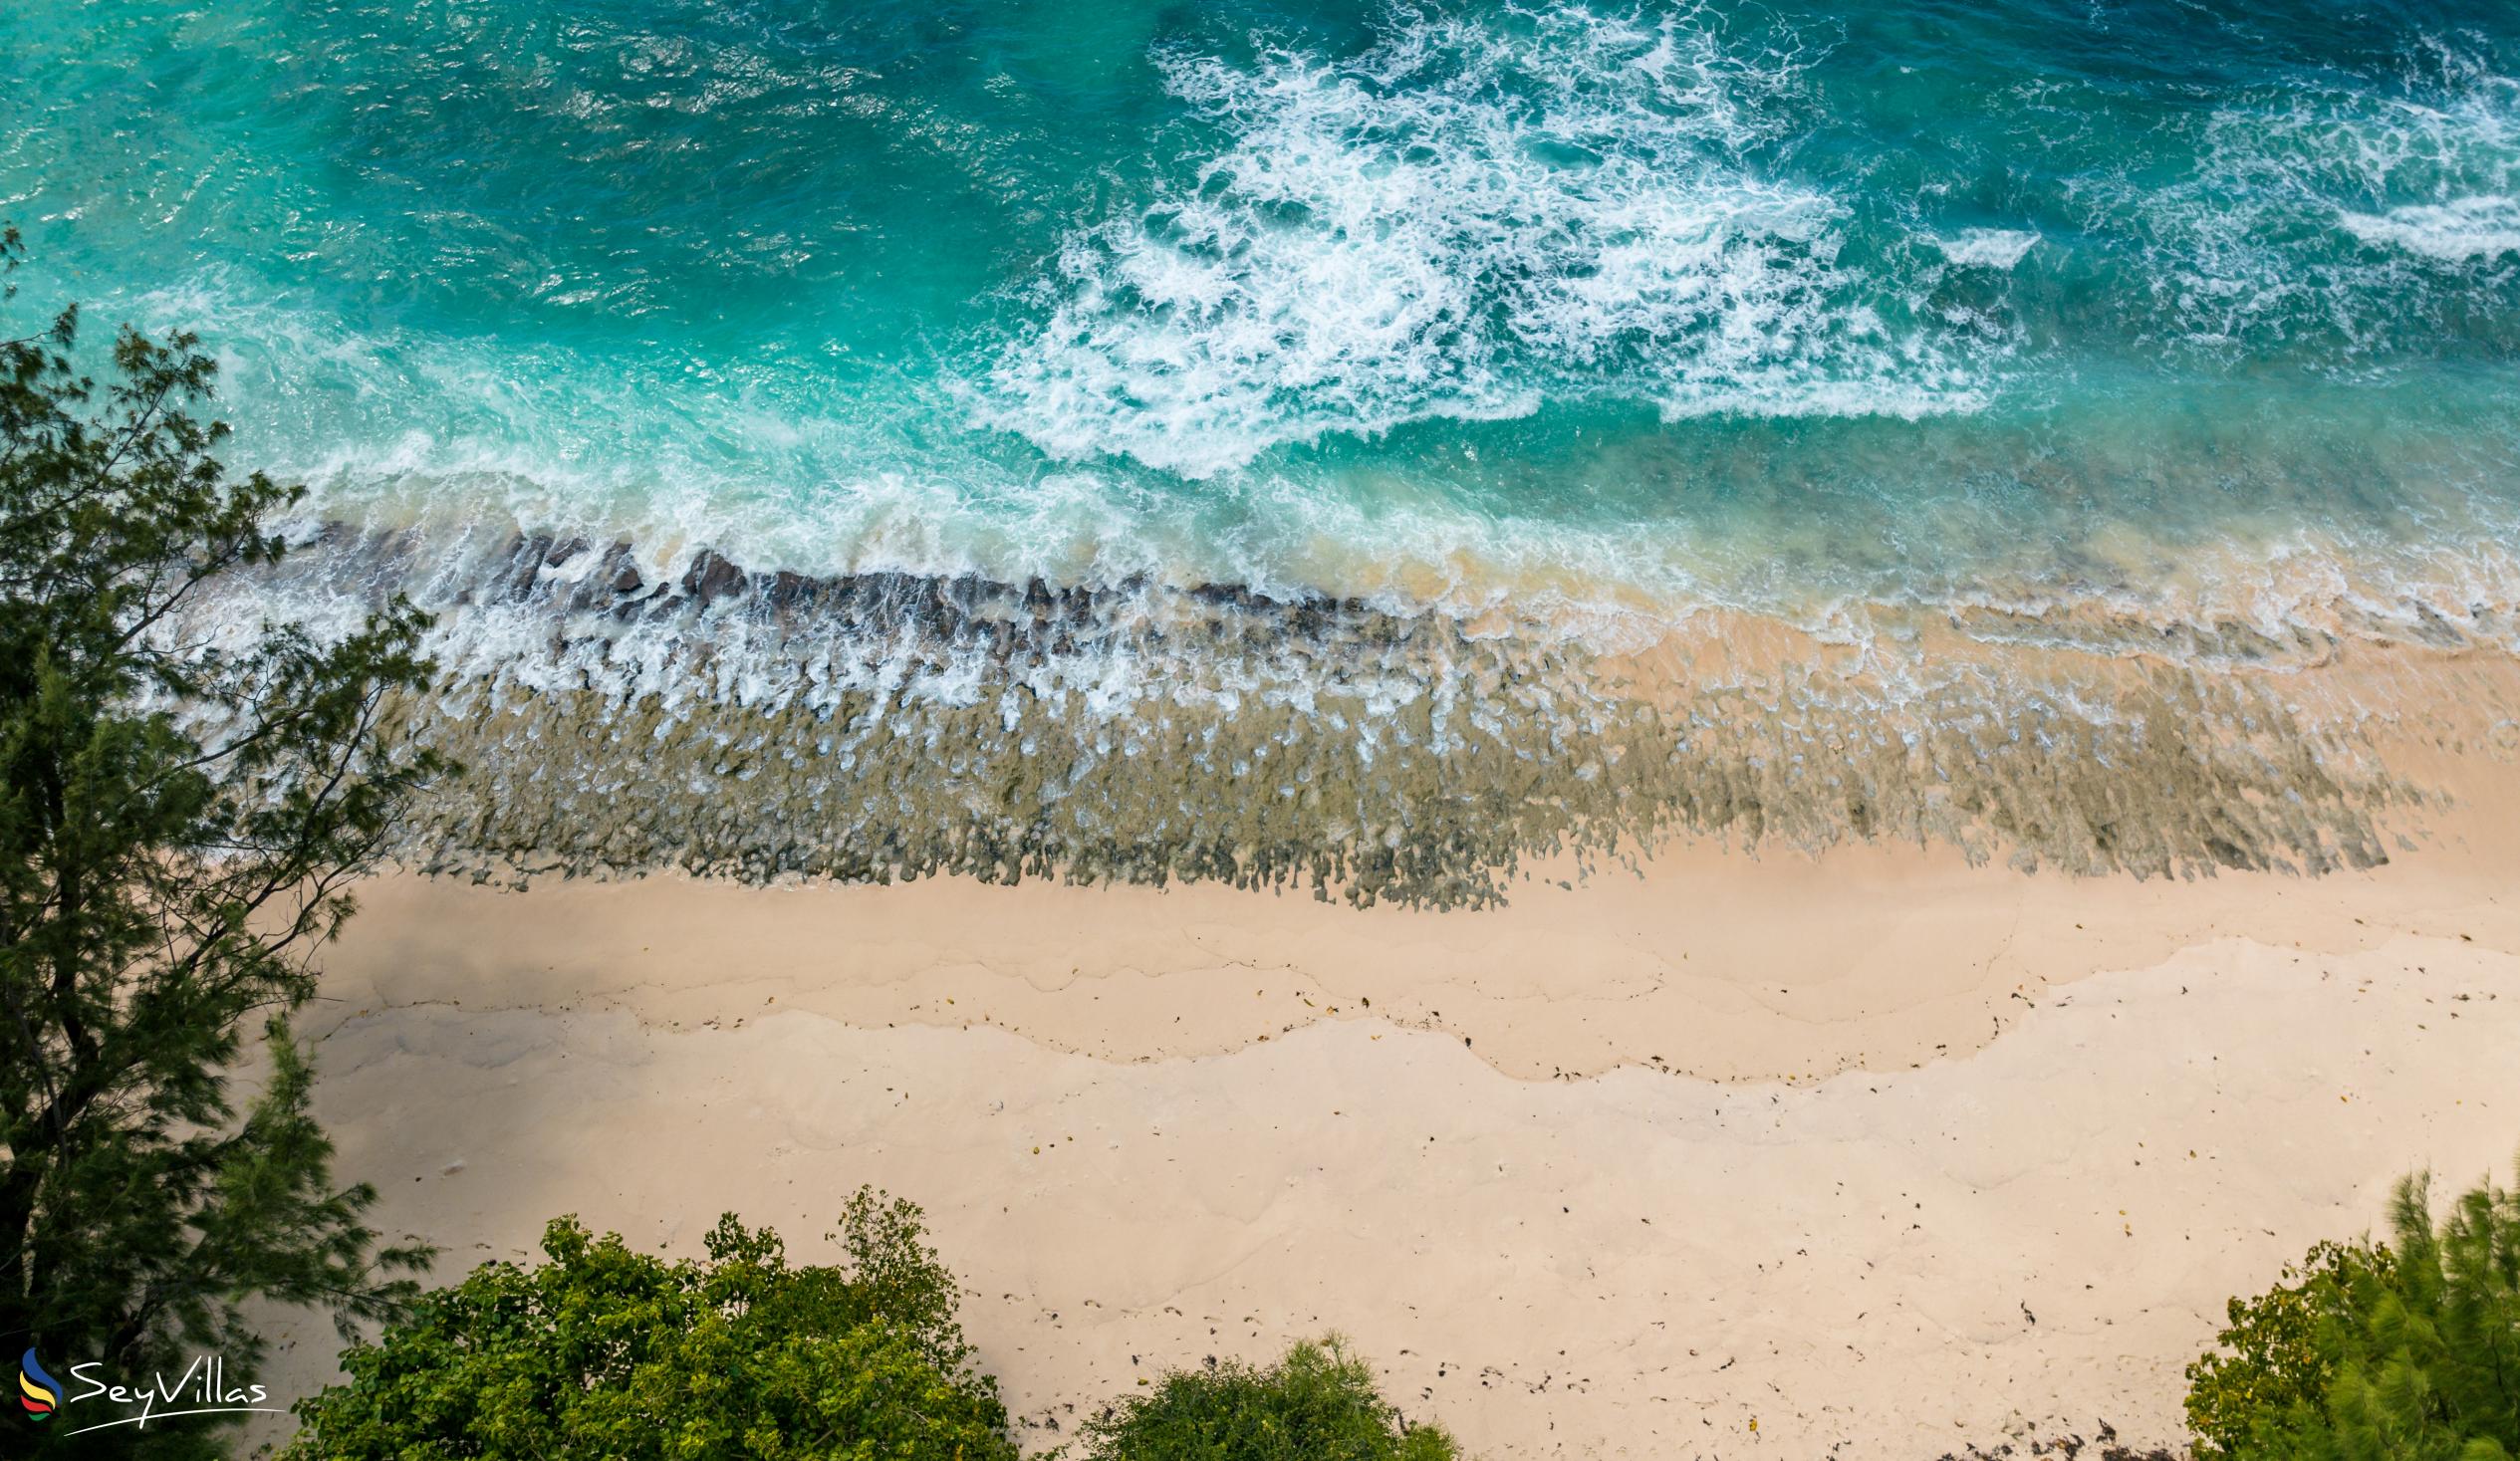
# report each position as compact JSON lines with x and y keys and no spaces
{"x":203,"y":1389}
{"x":37,"y":1391}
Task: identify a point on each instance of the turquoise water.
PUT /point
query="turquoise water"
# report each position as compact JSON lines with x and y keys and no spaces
{"x":1765,"y":305}
{"x":1224,"y":441}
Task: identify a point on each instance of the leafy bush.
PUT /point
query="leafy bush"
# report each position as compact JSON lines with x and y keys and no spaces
{"x":1315,"y":1404}
{"x":2410,"y":1357}
{"x":602,"y":1352}
{"x":2270,"y":1359}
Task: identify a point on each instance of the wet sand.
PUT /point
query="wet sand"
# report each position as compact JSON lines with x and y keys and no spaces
{"x":1886,"y":1152}
{"x":623,"y":715}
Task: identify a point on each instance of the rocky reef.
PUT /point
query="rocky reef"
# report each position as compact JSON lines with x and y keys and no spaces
{"x":613,"y":718}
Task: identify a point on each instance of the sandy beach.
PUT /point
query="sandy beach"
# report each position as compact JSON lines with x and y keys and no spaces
{"x":1878,"y":1154}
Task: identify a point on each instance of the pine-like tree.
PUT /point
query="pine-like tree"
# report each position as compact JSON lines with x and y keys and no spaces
{"x":2428,"y":1360}
{"x":177,"y":824}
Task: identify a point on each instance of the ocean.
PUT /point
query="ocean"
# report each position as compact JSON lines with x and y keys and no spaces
{"x":1372,"y":448}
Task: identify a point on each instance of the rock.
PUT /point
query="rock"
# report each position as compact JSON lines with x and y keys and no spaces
{"x":711,"y":578}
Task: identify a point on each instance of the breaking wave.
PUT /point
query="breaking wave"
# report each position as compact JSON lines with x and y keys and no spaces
{"x":1469,"y":218}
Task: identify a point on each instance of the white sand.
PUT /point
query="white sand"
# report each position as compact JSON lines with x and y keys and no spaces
{"x":1901,"y":1107}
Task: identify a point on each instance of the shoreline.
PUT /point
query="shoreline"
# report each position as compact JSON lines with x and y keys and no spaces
{"x":1704,"y":960}
{"x":882,"y":727}
{"x":1598,"y":1253}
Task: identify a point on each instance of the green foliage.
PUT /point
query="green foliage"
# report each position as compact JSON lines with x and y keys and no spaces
{"x":2269,"y":1359}
{"x":606,"y":1354}
{"x":1317,"y":1405}
{"x":178,"y":822}
{"x":2415,"y":1355}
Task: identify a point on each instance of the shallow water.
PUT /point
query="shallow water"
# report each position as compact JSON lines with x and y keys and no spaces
{"x":2160,"y":332}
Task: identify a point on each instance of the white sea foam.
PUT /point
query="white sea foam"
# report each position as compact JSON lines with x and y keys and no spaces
{"x":2425,"y":171}
{"x":473,"y":441}
{"x":1988,"y":248}
{"x":2463,"y":228}
{"x":394,"y":428}
{"x":478,"y":440}
{"x":1463,"y":221}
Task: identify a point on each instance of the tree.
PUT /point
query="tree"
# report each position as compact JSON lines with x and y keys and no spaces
{"x":606,"y":1354}
{"x":2419,"y":1350}
{"x":2269,"y":1358}
{"x":178,"y":823}
{"x":1319,"y":1403}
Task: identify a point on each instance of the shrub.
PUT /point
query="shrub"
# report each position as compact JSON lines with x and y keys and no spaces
{"x":2412,"y":1356}
{"x":2269,"y":1358}
{"x":1317,"y":1405}
{"x":601,"y":1352}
